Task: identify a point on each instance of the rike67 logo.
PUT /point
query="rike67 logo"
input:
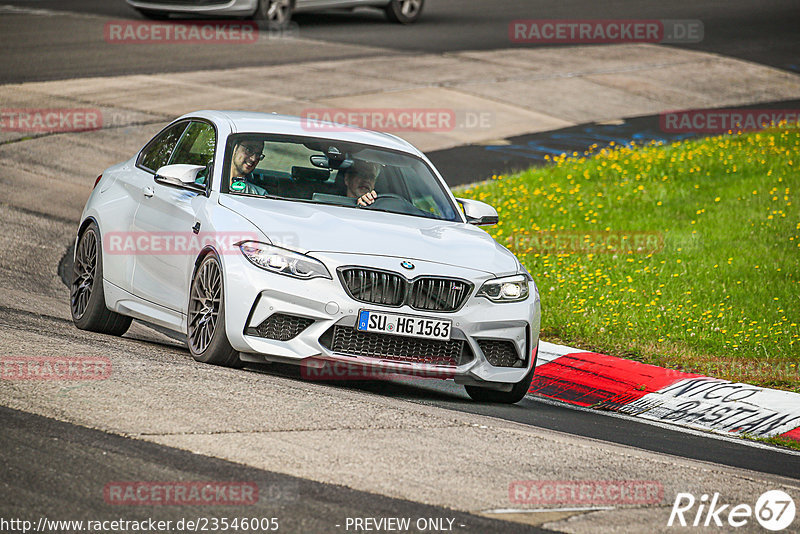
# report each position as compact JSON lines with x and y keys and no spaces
{"x":774,"y":510}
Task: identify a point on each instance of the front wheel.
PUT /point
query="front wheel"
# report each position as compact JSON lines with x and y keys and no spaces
{"x":206,"y":335}
{"x":276,"y":13}
{"x":404,"y":11}
{"x":517,"y":393}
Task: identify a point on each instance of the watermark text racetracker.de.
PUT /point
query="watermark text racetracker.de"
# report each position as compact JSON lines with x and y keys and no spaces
{"x":50,"y":120}
{"x":588,"y":31}
{"x":181,"y":493}
{"x":200,"y":32}
{"x":194,"y":32}
{"x":324,"y":369}
{"x":724,"y":120}
{"x":395,"y":119}
{"x":141,"y":243}
{"x":585,"y":492}
{"x":66,"y":120}
{"x":587,"y":242}
{"x":57,"y":368}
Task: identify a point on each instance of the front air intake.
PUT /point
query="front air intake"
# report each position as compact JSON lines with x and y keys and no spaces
{"x":280,"y":326}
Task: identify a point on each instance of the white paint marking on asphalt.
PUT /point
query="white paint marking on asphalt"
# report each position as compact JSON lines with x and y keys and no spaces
{"x":667,"y":426}
{"x":578,"y":74}
{"x":711,"y":403}
{"x":538,"y":510}
{"x":550,"y":351}
{"x":16,"y":10}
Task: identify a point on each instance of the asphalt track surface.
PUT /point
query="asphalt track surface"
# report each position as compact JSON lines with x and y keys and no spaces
{"x":759,"y":31}
{"x":64,"y":469}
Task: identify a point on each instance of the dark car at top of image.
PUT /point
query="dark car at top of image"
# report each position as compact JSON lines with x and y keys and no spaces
{"x":276,"y":13}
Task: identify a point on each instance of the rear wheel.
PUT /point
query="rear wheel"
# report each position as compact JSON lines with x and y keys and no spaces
{"x":207,"y":339}
{"x":87,"y":300}
{"x":276,"y":13}
{"x":517,"y":393}
{"x":404,"y":11}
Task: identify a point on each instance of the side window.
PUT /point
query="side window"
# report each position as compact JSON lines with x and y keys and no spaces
{"x":196,"y":147}
{"x":157,"y":153}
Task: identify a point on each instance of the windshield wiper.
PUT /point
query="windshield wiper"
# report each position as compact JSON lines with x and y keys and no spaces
{"x":254,"y":195}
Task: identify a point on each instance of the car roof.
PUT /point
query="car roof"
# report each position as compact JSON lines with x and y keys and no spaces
{"x":252,"y":122}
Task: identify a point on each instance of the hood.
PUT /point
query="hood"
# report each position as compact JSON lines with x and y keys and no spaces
{"x":310,"y":227}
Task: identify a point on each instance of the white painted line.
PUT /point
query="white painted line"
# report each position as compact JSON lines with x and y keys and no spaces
{"x":550,"y":351}
{"x":538,"y":510}
{"x":7,"y":8}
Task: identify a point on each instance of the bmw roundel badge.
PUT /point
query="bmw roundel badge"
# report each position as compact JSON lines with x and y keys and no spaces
{"x":407,"y":265}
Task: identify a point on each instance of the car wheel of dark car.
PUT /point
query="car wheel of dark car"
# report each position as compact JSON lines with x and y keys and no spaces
{"x":404,"y":11}
{"x":276,"y":13}
{"x":206,"y":336}
{"x":87,"y":300}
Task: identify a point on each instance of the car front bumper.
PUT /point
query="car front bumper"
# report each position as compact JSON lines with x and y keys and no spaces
{"x":253,"y":295}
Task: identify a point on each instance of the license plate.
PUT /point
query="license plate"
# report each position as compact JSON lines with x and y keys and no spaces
{"x":403,"y":325}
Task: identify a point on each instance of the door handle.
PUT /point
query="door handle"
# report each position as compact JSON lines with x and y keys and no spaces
{"x":148,"y":191}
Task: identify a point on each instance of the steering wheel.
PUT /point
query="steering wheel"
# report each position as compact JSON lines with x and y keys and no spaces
{"x":387,"y":200}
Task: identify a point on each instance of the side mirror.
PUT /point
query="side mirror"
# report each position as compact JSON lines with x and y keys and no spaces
{"x":180,"y":175}
{"x":478,"y":213}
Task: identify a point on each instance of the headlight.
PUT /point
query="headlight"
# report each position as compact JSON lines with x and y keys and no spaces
{"x":508,"y":289}
{"x":282,"y":261}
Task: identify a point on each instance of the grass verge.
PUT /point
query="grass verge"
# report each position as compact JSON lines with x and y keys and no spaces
{"x":685,"y":256}
{"x":777,"y":441}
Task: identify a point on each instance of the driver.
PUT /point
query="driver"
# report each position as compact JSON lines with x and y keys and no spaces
{"x":247,"y":153}
{"x":359,"y":179}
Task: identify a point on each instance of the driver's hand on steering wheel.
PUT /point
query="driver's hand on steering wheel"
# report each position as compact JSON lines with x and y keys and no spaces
{"x":369,"y":198}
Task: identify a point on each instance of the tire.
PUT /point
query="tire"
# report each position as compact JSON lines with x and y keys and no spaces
{"x":276,"y":13}
{"x":517,"y":393}
{"x":86,"y":297}
{"x":153,"y":15}
{"x":404,"y":11}
{"x":206,"y":335}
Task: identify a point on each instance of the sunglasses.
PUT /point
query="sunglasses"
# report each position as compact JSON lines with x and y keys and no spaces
{"x":249,"y":152}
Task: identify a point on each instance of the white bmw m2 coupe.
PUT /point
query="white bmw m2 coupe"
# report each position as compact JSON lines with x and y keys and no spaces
{"x":254,"y":235}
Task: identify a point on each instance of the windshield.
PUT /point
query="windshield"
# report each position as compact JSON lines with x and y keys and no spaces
{"x":333,"y":172}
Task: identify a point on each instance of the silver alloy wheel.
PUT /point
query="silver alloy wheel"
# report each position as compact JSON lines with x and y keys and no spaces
{"x":204,"y":305}
{"x":83,"y":273}
{"x":410,"y":8}
{"x":278,"y":11}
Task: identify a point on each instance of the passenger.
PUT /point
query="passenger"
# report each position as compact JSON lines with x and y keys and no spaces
{"x":359,"y":179}
{"x":247,"y":153}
